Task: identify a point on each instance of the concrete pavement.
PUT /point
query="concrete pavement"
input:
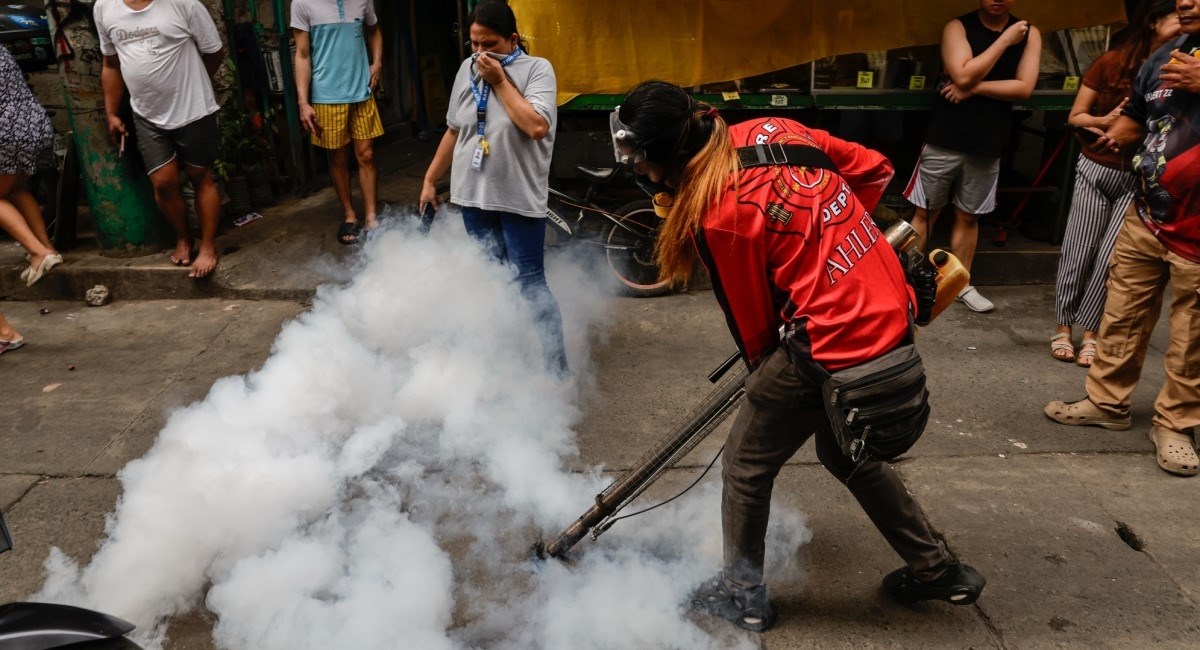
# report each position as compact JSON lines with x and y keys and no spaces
{"x":283,"y":256}
{"x":1035,"y":506}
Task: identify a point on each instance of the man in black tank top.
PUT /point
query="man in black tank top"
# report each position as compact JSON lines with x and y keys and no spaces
{"x":990,"y":59}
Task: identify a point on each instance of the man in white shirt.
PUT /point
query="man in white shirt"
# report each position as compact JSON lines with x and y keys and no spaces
{"x":165,"y":52}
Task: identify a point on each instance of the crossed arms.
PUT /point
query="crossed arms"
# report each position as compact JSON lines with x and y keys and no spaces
{"x":967,"y":71}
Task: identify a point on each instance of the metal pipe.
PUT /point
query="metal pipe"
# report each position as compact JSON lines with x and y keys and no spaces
{"x":628,"y":486}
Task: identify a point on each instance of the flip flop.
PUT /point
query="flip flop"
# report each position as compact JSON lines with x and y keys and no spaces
{"x":9,"y":346}
{"x":32,"y":275}
{"x":348,"y":233}
{"x":1086,"y":353}
{"x":1057,"y":343}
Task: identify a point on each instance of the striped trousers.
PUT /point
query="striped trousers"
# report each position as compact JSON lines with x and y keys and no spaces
{"x":1097,"y":207}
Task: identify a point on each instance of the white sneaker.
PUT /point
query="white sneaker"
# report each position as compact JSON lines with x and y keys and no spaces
{"x":974,"y":301}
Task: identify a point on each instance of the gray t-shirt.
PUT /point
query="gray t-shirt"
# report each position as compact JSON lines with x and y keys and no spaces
{"x":516,"y":173}
{"x":159,"y":48}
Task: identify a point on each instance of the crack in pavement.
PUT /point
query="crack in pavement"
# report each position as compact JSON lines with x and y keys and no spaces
{"x":154,"y":399}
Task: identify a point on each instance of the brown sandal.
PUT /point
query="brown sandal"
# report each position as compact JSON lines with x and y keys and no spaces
{"x":1057,"y":344}
{"x":1176,"y":453}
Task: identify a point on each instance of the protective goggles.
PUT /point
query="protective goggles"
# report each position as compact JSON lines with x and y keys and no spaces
{"x":626,"y":148}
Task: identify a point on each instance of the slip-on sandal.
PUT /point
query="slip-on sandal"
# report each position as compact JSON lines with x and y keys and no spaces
{"x":32,"y":275}
{"x":1085,"y":413}
{"x":348,"y":233}
{"x":1062,"y":341}
{"x":9,"y":346}
{"x":1175,"y":452}
{"x":1086,"y":353}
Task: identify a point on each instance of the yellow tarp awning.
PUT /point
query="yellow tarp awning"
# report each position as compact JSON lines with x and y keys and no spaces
{"x":608,"y":46}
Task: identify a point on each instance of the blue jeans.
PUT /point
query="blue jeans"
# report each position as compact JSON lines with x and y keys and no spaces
{"x":519,"y":240}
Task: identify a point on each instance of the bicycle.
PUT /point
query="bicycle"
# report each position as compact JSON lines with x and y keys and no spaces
{"x":626,"y":232}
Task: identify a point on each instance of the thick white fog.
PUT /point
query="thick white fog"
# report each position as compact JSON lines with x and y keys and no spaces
{"x":377,"y":482}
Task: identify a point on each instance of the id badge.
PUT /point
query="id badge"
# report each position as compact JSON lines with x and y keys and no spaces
{"x":477,"y":158}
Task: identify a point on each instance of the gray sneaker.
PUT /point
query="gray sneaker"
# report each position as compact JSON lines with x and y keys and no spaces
{"x":974,"y":301}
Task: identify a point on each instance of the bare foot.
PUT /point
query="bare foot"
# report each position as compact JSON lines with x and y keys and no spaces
{"x":183,"y":253}
{"x":9,"y":334}
{"x":205,"y":262}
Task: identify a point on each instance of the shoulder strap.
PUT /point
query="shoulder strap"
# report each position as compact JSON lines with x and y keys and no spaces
{"x":798,"y":155}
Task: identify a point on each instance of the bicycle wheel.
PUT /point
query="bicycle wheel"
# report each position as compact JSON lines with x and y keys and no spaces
{"x":629,"y":247}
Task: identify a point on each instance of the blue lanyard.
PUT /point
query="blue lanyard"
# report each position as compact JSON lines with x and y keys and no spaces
{"x":482,"y":93}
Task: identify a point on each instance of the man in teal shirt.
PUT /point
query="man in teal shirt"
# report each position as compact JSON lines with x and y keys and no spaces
{"x":335,"y":79}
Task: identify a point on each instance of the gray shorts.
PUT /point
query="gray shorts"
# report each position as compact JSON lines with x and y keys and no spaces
{"x":195,"y":142}
{"x":973,"y":178}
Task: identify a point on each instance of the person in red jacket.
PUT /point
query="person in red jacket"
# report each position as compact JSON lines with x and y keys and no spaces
{"x":785,"y":245}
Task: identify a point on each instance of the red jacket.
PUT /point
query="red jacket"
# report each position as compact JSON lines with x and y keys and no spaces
{"x":803,"y":238}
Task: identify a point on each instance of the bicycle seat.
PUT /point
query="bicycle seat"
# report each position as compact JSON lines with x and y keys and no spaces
{"x":597,"y":174}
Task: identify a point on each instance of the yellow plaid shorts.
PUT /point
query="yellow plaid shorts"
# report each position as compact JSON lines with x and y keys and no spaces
{"x":340,"y":123}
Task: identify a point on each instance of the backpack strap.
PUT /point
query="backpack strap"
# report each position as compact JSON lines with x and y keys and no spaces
{"x":774,"y":153}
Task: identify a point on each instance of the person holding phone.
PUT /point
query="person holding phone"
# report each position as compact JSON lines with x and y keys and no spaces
{"x":165,"y":53}
{"x":498,"y":143}
{"x":338,"y":64}
{"x":1104,"y":184}
{"x":1158,"y":246}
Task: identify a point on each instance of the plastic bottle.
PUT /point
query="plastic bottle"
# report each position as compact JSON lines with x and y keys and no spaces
{"x":952,"y":278}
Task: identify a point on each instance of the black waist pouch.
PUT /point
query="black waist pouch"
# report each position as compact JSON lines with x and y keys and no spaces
{"x":878,"y":409}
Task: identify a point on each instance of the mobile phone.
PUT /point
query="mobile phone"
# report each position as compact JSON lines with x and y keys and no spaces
{"x":427,"y":213}
{"x":1087,"y":134}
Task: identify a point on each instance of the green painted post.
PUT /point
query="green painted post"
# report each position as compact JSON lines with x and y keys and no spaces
{"x":295,"y":138}
{"x":127,"y":221}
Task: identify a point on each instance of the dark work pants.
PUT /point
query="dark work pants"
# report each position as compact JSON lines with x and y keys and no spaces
{"x":782,"y":410}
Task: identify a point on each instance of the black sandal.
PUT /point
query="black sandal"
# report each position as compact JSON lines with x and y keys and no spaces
{"x":348,"y":233}
{"x":960,"y":585}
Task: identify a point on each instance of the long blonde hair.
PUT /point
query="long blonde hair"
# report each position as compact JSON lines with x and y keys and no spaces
{"x":701,"y":187}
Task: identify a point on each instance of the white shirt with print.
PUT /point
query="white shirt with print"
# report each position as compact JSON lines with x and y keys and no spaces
{"x":159,"y":48}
